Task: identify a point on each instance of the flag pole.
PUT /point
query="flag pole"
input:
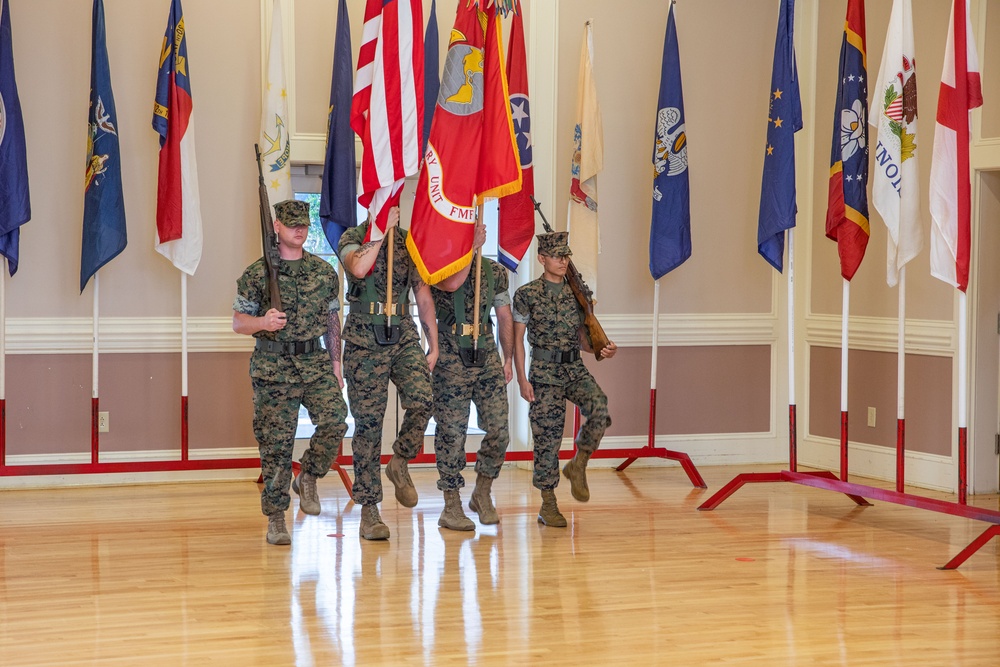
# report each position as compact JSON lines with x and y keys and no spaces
{"x":843,"y":380}
{"x":963,"y":376}
{"x":94,"y":405}
{"x":3,"y":363}
{"x":792,"y":421}
{"x":184,"y":368}
{"x":901,"y":386}
{"x":652,"y":366}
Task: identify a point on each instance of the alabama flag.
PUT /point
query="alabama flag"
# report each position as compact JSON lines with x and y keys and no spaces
{"x":178,"y":208}
{"x":951,"y":187}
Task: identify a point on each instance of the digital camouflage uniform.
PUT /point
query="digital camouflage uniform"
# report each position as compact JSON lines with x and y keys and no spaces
{"x":281,"y":382}
{"x":369,"y":366}
{"x":455,"y":385}
{"x":553,"y":320}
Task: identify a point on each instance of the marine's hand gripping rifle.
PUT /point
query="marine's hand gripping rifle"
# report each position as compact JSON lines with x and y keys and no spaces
{"x":584,"y":297}
{"x":271,"y":256}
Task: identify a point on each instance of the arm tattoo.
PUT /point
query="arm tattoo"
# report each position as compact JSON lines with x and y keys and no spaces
{"x":427,"y":329}
{"x":363,"y":250}
{"x":332,"y":336}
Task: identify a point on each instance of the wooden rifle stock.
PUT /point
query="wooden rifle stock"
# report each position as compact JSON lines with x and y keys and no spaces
{"x":268,"y":238}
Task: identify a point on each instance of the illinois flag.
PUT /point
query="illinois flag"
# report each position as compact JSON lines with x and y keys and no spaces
{"x":670,"y":229}
{"x":784,"y":119}
{"x":275,"y":142}
{"x":588,"y":160}
{"x":896,"y":188}
{"x":951,"y":188}
{"x":471,"y":152}
{"x":15,"y":206}
{"x":847,"y":199}
{"x":178,"y":206}
{"x":517,"y":212}
{"x":387,"y":110}
{"x":104,"y":235}
{"x":338,"y":203}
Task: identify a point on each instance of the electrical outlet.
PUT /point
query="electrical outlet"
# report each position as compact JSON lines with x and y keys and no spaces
{"x":103,"y":422}
{"x":871,"y":417}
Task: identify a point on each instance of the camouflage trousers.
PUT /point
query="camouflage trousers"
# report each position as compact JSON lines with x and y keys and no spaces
{"x":455,"y":387}
{"x":368,"y":372}
{"x":276,"y":416}
{"x":548,"y":419}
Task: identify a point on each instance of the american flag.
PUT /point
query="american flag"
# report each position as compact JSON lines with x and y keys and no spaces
{"x":387,"y":108}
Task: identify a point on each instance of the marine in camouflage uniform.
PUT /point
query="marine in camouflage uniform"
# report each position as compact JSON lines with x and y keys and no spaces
{"x":289,"y":365}
{"x":369,"y":366}
{"x":457,"y":384}
{"x":547,"y":309}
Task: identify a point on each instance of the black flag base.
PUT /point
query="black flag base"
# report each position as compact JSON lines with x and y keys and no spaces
{"x":472,"y":358}
{"x":386,"y":334}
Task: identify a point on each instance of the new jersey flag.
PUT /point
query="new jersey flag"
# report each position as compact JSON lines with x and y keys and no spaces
{"x":178,"y":206}
{"x":275,"y":142}
{"x":517,"y":212}
{"x":387,"y":110}
{"x":896,"y":186}
{"x":951,"y":187}
{"x":784,"y":119}
{"x":338,"y":203}
{"x":588,"y":160}
{"x":104,"y":235}
{"x":670,"y":229}
{"x":847,"y":198}
{"x":471,"y":152}
{"x":15,"y":206}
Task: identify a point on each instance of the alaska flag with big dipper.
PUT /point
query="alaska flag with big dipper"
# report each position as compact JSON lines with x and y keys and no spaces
{"x":338,"y":202}
{"x":104,"y":234}
{"x":15,"y":205}
{"x":784,"y":119}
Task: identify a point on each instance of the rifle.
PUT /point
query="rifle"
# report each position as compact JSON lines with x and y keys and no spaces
{"x":267,"y":237}
{"x":584,"y":297}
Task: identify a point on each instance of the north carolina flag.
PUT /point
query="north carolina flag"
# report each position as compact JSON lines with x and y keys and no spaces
{"x":178,"y":206}
{"x":951,"y":187}
{"x":471,"y":153}
{"x":516,"y":227}
{"x":15,"y":205}
{"x":104,"y":234}
{"x":588,"y":160}
{"x":387,"y":110}
{"x":784,"y":119}
{"x":847,"y":199}
{"x":670,"y":228}
{"x":896,"y":186}
{"x":338,"y":202}
{"x":275,"y":139}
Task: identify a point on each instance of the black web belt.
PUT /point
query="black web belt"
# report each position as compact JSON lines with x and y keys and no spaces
{"x":291,"y":347}
{"x":557,"y":356}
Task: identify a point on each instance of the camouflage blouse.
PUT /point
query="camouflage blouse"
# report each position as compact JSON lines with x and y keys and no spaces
{"x":553,"y":318}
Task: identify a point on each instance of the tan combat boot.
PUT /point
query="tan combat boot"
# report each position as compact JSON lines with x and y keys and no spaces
{"x":305,"y":486}
{"x":481,"y":503}
{"x":549,"y":513}
{"x":576,"y":472}
{"x":452,"y":516}
{"x":396,"y":471}
{"x":276,"y":531}
{"x":372,"y":527}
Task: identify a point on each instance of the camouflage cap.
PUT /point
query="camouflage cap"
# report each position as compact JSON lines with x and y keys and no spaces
{"x":554,"y":244}
{"x":292,"y":213}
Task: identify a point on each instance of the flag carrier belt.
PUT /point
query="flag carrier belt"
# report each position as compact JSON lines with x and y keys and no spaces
{"x":556,"y":356}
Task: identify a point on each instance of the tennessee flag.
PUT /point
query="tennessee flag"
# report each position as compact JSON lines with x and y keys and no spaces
{"x":471,"y":153}
{"x":847,"y":201}
{"x":517,"y":212}
{"x":951,"y":188}
{"x":178,"y":207}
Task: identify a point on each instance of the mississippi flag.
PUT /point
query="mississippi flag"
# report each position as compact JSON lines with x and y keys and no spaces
{"x":15,"y":206}
{"x":517,"y":212}
{"x":178,"y":207}
{"x":471,"y":152}
{"x":951,"y":189}
{"x":847,"y":200}
{"x":387,"y":110}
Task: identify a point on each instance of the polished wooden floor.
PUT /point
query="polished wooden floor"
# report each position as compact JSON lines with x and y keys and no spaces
{"x":778,"y":575}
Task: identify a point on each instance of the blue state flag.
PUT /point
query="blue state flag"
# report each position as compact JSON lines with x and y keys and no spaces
{"x":777,"y":190}
{"x":670,"y":230}
{"x":104,"y":234}
{"x":15,"y":205}
{"x":432,"y":73}
{"x":338,"y":203}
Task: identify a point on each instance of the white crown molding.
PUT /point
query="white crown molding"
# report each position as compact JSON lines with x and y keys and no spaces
{"x":636,"y":330}
{"x":75,"y":335}
{"x":880,"y":334}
